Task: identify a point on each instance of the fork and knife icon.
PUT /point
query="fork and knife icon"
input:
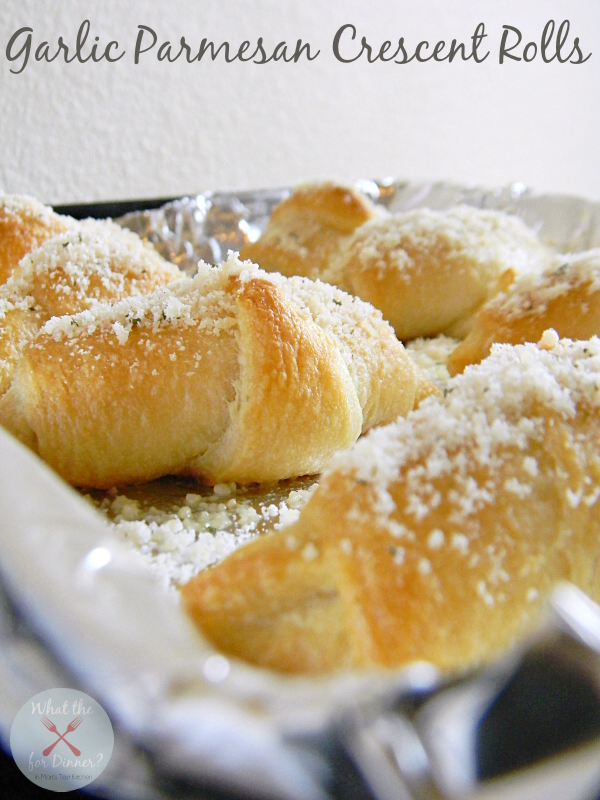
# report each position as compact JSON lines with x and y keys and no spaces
{"x":75,"y":723}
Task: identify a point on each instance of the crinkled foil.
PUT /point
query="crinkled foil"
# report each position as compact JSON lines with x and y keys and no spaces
{"x":206,"y":226}
{"x":186,"y":717}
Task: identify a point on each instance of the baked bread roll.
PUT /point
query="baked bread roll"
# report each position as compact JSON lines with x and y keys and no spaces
{"x":566,"y":298}
{"x":94,"y":261}
{"x":438,"y":537}
{"x":307,"y":229}
{"x":234,"y":375}
{"x":429,"y":271}
{"x":25,"y":224}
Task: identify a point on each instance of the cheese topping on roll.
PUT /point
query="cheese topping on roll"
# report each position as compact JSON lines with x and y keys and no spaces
{"x":429,"y":271}
{"x":437,"y":537}
{"x":308,"y":228}
{"x":25,"y":224}
{"x":234,"y":375}
{"x":92,"y":262}
{"x":565,"y":297}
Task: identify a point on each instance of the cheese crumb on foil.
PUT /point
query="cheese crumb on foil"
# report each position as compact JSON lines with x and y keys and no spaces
{"x":431,"y":356}
{"x":179,"y":528}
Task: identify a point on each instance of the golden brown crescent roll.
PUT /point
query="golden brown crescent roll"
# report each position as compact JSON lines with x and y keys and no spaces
{"x":25,"y":224}
{"x":566,"y":298}
{"x":437,"y":537}
{"x":429,"y":271}
{"x":93,"y":261}
{"x":234,"y":375}
{"x":307,"y":228}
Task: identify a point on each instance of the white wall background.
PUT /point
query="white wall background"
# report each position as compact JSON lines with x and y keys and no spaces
{"x":100,"y":131}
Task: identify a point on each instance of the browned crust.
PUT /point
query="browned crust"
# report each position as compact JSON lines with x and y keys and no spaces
{"x":308,"y":228}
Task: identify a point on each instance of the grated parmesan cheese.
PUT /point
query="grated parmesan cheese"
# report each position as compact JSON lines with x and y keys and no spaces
{"x":488,"y":409}
{"x":531,"y":292}
{"x":178,"y":533}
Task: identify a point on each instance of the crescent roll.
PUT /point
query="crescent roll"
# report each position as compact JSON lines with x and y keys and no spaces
{"x":93,"y":261}
{"x":234,"y":375}
{"x":437,"y":537}
{"x":566,"y":298}
{"x":25,"y":224}
{"x":429,"y":271}
{"x":307,"y":229}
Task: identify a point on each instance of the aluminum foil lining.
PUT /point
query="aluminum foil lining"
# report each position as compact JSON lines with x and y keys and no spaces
{"x":184,"y":713}
{"x":206,"y":226}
